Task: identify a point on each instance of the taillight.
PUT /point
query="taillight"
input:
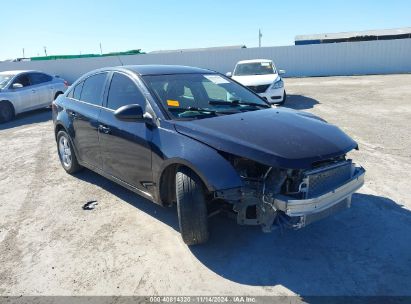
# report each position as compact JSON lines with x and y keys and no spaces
{"x":66,"y":83}
{"x":53,"y":107}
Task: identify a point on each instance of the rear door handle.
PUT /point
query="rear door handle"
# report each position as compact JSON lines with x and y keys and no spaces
{"x":104,"y":129}
{"x":34,"y":91}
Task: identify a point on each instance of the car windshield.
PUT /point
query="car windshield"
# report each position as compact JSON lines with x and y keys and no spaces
{"x":254,"y":68}
{"x":4,"y":80}
{"x":194,"y":96}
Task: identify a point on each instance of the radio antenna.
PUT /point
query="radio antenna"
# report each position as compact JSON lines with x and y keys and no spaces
{"x":119,"y":59}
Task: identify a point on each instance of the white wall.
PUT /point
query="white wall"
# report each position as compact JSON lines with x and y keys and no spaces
{"x":351,"y":58}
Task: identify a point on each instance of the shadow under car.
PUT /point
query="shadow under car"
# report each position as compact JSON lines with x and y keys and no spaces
{"x":28,"y":118}
{"x":364,"y":250}
{"x":300,"y":102}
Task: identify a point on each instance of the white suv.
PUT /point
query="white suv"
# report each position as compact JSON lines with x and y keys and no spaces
{"x":261,"y":76}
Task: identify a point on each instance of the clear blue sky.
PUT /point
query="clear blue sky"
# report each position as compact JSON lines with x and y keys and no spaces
{"x":74,"y":26}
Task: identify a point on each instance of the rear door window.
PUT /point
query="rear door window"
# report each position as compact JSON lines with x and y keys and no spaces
{"x":39,"y":78}
{"x":93,"y":88}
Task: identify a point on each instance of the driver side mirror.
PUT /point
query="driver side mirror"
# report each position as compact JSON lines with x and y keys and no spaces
{"x":17,"y":86}
{"x":133,"y":113}
{"x":281,"y":72}
{"x":228,"y":74}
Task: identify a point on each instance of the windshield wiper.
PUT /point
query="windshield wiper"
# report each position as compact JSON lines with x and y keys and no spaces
{"x":205,"y":112}
{"x":212,"y":112}
{"x":235,"y":103}
{"x":195,"y":109}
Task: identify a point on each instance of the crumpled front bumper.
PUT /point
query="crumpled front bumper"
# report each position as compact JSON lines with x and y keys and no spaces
{"x":316,"y":208}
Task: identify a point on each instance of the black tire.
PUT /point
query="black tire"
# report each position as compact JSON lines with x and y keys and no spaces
{"x":57,"y":95}
{"x":6,"y":112}
{"x":191,"y":207}
{"x":73,"y":166}
{"x":284,"y":99}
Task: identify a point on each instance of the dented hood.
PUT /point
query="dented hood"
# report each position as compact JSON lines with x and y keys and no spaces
{"x":275,"y":137}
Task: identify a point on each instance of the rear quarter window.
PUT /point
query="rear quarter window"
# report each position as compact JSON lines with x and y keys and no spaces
{"x":70,"y":94}
{"x":76,"y":92}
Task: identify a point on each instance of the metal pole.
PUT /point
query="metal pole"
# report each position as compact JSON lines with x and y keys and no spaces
{"x":259,"y":37}
{"x":101,"y":49}
{"x":23,"y":54}
{"x":45,"y":50}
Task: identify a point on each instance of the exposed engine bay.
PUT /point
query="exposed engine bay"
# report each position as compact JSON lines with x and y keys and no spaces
{"x":291,"y":198}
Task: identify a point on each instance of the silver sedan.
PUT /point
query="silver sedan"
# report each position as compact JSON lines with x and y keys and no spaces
{"x":22,"y":91}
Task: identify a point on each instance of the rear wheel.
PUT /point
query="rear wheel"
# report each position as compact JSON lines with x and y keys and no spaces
{"x":191,"y":207}
{"x":66,"y":153}
{"x":6,"y":112}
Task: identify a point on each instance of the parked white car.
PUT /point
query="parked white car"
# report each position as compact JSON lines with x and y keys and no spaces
{"x":22,"y":91}
{"x":261,"y":76}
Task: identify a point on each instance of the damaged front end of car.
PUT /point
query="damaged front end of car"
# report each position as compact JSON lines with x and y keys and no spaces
{"x":291,"y":198}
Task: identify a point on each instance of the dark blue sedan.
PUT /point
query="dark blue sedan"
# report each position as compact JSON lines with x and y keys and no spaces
{"x":195,"y":138}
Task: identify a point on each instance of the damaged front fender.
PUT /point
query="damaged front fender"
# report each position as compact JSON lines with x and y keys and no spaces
{"x":170,"y":148}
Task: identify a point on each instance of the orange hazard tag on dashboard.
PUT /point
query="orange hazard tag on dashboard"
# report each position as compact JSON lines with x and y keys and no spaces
{"x":173,"y":103}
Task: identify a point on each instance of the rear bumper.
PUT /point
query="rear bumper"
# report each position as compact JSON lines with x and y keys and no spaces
{"x":316,"y":208}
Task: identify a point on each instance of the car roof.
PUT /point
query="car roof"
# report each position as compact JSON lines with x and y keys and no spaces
{"x":16,"y":72}
{"x":254,"y":61}
{"x":156,"y":69}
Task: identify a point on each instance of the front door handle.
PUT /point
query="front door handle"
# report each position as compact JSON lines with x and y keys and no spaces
{"x":34,"y":91}
{"x":104,"y":129}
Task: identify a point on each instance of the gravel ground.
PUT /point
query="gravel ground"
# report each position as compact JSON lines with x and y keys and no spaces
{"x":129,"y":246}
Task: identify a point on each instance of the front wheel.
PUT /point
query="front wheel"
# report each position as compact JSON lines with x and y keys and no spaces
{"x":191,"y":207}
{"x":66,"y":153}
{"x":6,"y":112}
